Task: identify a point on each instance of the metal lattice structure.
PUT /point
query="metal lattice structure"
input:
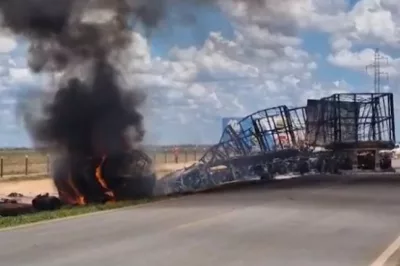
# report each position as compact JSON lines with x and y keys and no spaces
{"x":351,"y":120}
{"x":265,"y":131}
{"x":281,"y":140}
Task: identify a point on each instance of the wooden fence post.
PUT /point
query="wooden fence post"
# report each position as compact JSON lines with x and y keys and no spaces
{"x":26,"y":164}
{"x":186,"y":155}
{"x":1,"y":166}
{"x":48,"y":163}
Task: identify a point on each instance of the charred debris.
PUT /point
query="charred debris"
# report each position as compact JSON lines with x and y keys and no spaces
{"x":343,"y":133}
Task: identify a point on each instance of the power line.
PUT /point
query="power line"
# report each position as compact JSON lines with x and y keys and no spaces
{"x":376,"y":66}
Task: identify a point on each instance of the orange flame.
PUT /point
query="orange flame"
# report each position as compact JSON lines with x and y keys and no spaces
{"x":79,"y":198}
{"x":100,"y":179}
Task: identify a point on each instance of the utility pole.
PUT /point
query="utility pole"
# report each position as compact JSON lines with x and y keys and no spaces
{"x":376,"y":66}
{"x":378,"y":74}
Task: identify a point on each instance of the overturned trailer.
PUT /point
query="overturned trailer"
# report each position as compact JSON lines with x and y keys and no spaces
{"x":325,"y":136}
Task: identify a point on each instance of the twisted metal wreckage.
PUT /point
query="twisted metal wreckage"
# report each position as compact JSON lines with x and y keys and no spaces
{"x":330,"y":135}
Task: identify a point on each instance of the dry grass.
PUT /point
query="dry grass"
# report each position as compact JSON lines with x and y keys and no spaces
{"x":19,"y":163}
{"x":37,"y":180}
{"x":33,"y":185}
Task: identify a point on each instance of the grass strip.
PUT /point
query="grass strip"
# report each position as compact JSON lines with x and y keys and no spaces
{"x":66,"y":211}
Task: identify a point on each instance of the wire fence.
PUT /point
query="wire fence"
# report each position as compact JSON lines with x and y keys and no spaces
{"x":181,"y":155}
{"x":33,"y":163}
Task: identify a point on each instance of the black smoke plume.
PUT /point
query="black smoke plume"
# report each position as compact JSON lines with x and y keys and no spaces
{"x":92,"y":113}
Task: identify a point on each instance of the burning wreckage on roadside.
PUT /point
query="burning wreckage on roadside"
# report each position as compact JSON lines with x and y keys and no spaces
{"x":342,"y":132}
{"x":115,"y":177}
{"x":91,"y":119}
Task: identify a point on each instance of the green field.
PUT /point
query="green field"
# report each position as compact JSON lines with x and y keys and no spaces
{"x":27,"y":162}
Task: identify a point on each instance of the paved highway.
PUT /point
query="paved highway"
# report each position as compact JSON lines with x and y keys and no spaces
{"x":314,"y":224}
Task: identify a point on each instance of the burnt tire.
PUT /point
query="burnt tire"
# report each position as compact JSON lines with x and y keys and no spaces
{"x":46,"y":203}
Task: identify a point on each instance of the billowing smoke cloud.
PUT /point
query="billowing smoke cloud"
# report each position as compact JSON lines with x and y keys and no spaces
{"x":92,"y":111}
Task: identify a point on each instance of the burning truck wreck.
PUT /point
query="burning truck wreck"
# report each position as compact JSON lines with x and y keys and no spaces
{"x":99,"y":158}
{"x":336,"y":134}
{"x":116,"y":177}
{"x":90,"y":118}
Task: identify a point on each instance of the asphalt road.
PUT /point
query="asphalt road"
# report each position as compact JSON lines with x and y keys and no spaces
{"x":313,"y":224}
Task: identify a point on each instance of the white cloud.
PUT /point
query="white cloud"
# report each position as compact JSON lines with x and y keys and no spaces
{"x":7,"y":43}
{"x":21,"y":75}
{"x":263,"y":65}
{"x":340,"y":44}
{"x":197,"y":86}
{"x":197,"y":90}
{"x":371,"y":23}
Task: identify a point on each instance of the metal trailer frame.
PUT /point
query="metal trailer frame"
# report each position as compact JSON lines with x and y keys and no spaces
{"x":282,"y":140}
{"x":352,"y":120}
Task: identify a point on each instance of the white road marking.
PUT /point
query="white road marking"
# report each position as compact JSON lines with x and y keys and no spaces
{"x":387,"y":253}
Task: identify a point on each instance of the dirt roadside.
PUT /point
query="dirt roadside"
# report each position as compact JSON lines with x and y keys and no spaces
{"x":32,"y":188}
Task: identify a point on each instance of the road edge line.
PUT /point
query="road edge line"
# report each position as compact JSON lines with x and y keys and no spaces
{"x":387,"y":253}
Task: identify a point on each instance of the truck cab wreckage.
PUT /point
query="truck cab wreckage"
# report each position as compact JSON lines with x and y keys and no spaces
{"x":342,"y":133}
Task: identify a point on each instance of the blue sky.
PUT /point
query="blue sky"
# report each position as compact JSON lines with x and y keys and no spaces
{"x":265,"y":68}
